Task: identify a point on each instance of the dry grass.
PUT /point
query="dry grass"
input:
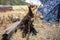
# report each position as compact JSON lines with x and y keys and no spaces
{"x":46,"y":31}
{"x":5,"y":17}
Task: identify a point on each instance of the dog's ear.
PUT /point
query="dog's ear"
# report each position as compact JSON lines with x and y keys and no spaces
{"x":31,"y":6}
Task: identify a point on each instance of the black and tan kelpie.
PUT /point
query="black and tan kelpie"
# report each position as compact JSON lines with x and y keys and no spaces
{"x":27,"y":22}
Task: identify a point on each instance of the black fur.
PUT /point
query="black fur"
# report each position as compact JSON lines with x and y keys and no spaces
{"x":28,"y":23}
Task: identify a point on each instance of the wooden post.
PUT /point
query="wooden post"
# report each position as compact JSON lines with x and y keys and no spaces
{"x":7,"y":33}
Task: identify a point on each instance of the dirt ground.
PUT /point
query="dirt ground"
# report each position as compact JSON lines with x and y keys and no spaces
{"x":46,"y":31}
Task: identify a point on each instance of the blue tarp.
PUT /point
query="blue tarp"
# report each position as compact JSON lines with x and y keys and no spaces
{"x":49,"y":10}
